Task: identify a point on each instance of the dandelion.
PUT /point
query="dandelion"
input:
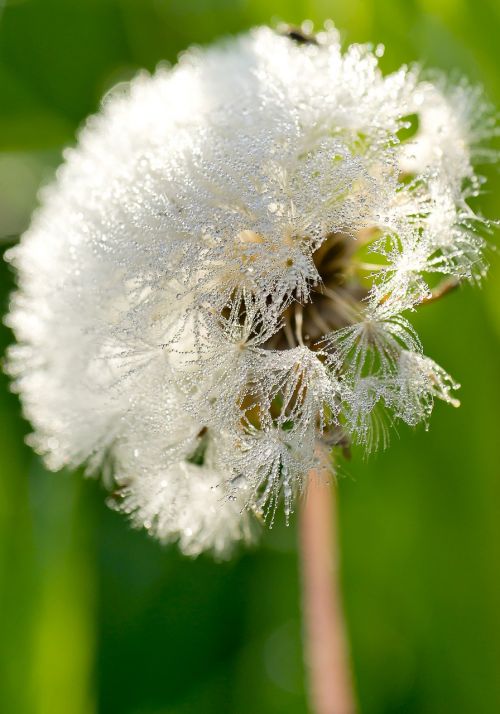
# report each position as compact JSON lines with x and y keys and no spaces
{"x":223,"y":272}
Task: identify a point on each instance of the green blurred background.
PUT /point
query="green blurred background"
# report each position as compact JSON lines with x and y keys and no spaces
{"x":95,"y":617}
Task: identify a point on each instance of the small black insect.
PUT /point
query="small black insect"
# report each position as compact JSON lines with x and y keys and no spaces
{"x":298,"y":35}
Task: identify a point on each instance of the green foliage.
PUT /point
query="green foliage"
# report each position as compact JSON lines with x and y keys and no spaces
{"x":97,"y":617}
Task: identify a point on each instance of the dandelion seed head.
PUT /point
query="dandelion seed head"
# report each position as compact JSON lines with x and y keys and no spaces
{"x":216,"y":277}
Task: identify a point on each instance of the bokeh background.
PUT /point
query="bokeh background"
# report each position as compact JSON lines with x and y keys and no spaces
{"x":95,"y":617}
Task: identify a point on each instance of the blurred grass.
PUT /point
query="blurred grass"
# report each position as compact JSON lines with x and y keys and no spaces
{"x":98,"y":618}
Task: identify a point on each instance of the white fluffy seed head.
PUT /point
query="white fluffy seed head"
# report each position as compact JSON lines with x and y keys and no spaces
{"x":216,"y":277}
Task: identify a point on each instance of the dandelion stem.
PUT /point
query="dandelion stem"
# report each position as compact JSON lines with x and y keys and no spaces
{"x":326,"y":649}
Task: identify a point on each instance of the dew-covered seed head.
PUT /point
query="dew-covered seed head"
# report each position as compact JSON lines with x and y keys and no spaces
{"x":223,"y":272}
